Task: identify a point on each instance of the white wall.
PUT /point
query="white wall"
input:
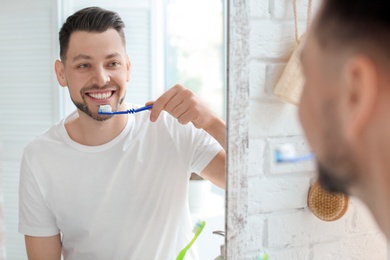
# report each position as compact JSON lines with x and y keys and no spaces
{"x":279,"y":221}
{"x":28,"y":95}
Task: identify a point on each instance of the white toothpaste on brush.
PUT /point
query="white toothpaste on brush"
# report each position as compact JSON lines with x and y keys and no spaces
{"x":105,"y":108}
{"x":286,"y":151}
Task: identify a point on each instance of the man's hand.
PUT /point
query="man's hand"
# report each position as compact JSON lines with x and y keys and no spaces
{"x":182,"y":104}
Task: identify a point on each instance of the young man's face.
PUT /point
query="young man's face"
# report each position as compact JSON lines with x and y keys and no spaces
{"x":95,"y":71}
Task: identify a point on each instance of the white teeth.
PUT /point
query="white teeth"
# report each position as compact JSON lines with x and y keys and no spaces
{"x":100,"y":95}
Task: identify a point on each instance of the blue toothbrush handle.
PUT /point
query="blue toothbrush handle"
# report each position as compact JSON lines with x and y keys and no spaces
{"x":280,"y":159}
{"x":130,"y":111}
{"x":141,"y":109}
{"x":116,"y":112}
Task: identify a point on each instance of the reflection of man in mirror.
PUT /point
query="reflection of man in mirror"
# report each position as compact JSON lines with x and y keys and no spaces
{"x":114,"y":187}
{"x":345,"y":104}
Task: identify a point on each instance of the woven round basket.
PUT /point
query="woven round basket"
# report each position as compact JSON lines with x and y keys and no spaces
{"x":325,"y":205}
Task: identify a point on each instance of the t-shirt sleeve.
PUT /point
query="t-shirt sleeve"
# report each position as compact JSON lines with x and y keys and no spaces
{"x":35,"y":218}
{"x":196,"y":147}
{"x":206,"y":149}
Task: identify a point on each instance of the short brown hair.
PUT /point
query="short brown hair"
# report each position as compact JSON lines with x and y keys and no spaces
{"x":363,"y":25}
{"x":90,"y":19}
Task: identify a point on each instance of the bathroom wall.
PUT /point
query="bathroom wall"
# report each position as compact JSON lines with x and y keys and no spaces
{"x":2,"y":248}
{"x":273,"y":199}
{"x":28,"y":94}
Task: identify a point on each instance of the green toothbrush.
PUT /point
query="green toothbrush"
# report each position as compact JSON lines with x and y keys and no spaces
{"x":198,"y":227}
{"x":262,"y":256}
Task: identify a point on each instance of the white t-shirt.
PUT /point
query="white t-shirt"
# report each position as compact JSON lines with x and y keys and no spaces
{"x":126,"y":199}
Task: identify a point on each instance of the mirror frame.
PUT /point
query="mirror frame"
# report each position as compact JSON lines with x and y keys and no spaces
{"x":238,"y":49}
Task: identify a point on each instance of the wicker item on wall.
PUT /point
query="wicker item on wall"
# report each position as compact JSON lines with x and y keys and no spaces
{"x":327,"y":206}
{"x":290,"y":84}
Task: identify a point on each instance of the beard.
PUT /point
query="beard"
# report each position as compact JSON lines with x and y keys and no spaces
{"x":338,"y":167}
{"x":82,"y":106}
{"x":333,"y":181}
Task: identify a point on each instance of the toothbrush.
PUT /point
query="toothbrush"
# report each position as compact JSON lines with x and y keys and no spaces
{"x":262,"y":256}
{"x":107,"y":110}
{"x":286,"y":154}
{"x":198,"y":227}
{"x":281,"y":159}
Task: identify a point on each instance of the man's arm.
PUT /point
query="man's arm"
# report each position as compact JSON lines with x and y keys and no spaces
{"x":215,"y":170}
{"x":182,"y":104}
{"x":43,"y":248}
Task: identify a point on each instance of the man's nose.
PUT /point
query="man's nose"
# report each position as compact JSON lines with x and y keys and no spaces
{"x":100,"y":77}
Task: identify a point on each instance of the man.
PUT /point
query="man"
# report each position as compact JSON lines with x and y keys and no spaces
{"x":345,"y":104}
{"x":114,"y":187}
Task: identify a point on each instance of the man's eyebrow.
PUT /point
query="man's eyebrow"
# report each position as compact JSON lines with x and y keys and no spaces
{"x":87,"y":57}
{"x":81,"y":57}
{"x":113,"y":55}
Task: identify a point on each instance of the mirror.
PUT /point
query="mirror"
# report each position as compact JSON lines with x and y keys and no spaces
{"x":267,"y":208}
{"x":167,"y":44}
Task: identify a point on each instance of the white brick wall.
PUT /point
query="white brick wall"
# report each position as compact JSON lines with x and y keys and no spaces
{"x":279,"y":220}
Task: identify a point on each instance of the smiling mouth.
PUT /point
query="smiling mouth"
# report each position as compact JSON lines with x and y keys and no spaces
{"x":101,"y":95}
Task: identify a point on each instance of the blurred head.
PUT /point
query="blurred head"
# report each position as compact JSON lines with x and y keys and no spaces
{"x":344,"y":104}
{"x":94,"y":65}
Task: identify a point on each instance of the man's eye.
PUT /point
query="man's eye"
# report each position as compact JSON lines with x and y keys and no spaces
{"x":83,"y":66}
{"x":113,"y":64}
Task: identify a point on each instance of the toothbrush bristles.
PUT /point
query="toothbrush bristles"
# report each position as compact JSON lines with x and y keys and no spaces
{"x":286,"y":154}
{"x":105,"y":108}
{"x":199,"y":225}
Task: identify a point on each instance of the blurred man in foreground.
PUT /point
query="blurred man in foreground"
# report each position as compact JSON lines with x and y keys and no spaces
{"x":345,"y":104}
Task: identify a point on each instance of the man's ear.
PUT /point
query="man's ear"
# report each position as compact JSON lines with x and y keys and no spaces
{"x":60,"y":73}
{"x":360,"y":95}
{"x":128,"y":68}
